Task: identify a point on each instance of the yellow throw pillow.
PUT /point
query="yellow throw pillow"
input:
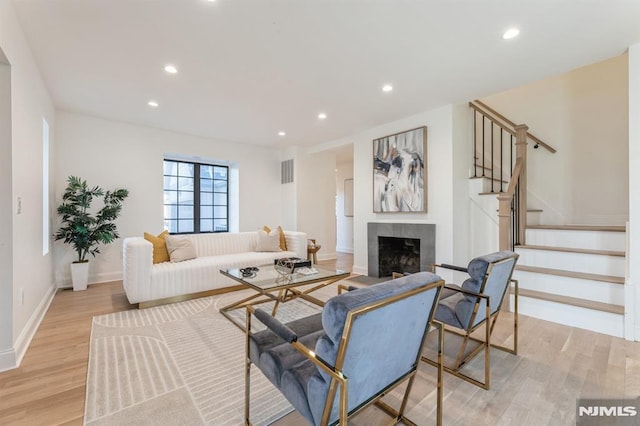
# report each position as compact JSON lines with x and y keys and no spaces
{"x":283,"y":240}
{"x":160,"y":253}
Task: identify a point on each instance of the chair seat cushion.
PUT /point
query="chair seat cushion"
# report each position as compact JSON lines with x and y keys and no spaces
{"x":294,"y":386}
{"x":276,"y":360}
{"x":273,"y":355}
{"x":446,"y":311}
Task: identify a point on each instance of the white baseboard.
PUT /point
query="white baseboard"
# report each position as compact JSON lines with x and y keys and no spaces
{"x":12,"y":358}
{"x":104,"y":277}
{"x":8,"y":360}
{"x":344,"y":249}
{"x":359,"y":270}
{"x":24,"y":339}
{"x":327,"y":256}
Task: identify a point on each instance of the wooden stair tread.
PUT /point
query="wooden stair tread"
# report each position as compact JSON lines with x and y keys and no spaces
{"x":573,"y":301}
{"x":609,"y":228}
{"x":573,"y":250}
{"x":491,"y":193}
{"x":571,"y":274}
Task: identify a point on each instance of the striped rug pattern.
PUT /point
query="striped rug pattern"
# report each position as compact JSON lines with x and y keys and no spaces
{"x":176,"y":364}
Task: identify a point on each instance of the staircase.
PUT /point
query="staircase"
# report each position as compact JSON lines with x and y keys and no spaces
{"x":572,"y":274}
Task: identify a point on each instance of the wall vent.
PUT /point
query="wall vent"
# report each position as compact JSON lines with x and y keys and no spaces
{"x":286,"y":171}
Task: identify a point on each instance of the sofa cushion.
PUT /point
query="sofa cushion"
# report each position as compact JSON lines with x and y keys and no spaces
{"x":180,"y":249}
{"x":283,"y":239}
{"x":268,"y":241}
{"x":160,"y":253}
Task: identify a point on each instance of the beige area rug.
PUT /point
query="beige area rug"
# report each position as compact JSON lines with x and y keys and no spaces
{"x":177,"y":364}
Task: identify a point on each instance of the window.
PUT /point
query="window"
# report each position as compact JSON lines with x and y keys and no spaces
{"x":196,"y":197}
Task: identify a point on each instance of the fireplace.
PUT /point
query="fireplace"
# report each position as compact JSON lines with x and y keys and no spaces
{"x":400,"y":255}
{"x":414,"y":245}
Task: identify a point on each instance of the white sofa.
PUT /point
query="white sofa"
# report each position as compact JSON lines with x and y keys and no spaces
{"x":149,"y":284}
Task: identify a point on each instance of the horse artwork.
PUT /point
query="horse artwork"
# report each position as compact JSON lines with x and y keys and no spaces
{"x":399,"y":172}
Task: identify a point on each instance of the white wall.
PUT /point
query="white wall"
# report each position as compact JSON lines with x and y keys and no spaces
{"x":440,"y":185}
{"x":461,"y":152}
{"x":632,"y":287}
{"x":31,"y":271}
{"x":289,"y":197}
{"x":344,"y":224}
{"x":6,"y":216}
{"x":114,"y":154}
{"x":316,"y":199}
{"x":584,"y":115}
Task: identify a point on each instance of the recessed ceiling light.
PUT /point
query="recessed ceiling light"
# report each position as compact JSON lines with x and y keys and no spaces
{"x":387,"y":88}
{"x":322,"y":116}
{"x":510,"y":33}
{"x":171,"y":69}
{"x":279,"y":133}
{"x":153,"y":104}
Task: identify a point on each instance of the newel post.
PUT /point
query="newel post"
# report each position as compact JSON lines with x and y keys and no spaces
{"x":521,"y":153}
{"x":504,"y":222}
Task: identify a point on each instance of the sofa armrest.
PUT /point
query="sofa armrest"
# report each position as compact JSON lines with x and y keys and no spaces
{"x":297,"y":242}
{"x":137,"y":261}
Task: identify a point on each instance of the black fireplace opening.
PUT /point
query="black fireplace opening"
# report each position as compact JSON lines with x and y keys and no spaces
{"x":400,"y":255}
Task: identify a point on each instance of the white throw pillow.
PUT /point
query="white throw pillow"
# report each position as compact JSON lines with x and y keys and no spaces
{"x":180,"y":249}
{"x":268,"y":242}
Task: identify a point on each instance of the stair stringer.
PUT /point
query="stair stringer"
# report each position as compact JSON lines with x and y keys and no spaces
{"x":484,"y":220}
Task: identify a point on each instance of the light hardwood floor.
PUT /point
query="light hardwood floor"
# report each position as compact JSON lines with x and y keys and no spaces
{"x":555,"y":365}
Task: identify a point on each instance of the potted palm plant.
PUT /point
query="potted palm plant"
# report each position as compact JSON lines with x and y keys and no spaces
{"x":82,"y":229}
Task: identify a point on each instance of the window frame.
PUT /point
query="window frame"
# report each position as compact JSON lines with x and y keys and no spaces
{"x":197,"y":196}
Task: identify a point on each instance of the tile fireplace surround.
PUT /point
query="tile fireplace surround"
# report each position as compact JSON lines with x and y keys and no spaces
{"x":425,"y":232}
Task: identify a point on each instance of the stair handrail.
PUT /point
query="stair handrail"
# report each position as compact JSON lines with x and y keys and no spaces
{"x":506,"y":124}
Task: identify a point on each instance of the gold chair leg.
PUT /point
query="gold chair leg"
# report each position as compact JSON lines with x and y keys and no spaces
{"x":247,"y":371}
{"x":439,"y":390}
{"x":343,"y":404}
{"x":487,"y":346}
{"x":440,"y":368}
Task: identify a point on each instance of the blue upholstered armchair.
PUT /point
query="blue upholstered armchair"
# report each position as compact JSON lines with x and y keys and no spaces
{"x":364,"y":343}
{"x":477,"y":303}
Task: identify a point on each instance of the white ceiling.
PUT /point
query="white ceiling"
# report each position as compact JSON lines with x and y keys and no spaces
{"x":250,"y":68}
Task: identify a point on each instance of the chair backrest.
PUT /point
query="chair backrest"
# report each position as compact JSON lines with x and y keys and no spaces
{"x":499,"y":269}
{"x":374,"y":335}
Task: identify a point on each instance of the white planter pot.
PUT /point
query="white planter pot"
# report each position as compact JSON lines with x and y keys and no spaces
{"x":79,"y":275}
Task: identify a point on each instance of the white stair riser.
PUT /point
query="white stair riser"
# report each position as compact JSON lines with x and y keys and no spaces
{"x":574,"y":316}
{"x":533,"y":218}
{"x":596,"y":240}
{"x":577,"y":262}
{"x":597,"y":291}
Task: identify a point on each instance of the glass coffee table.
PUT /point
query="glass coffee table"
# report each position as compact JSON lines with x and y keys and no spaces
{"x":271,"y":285}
